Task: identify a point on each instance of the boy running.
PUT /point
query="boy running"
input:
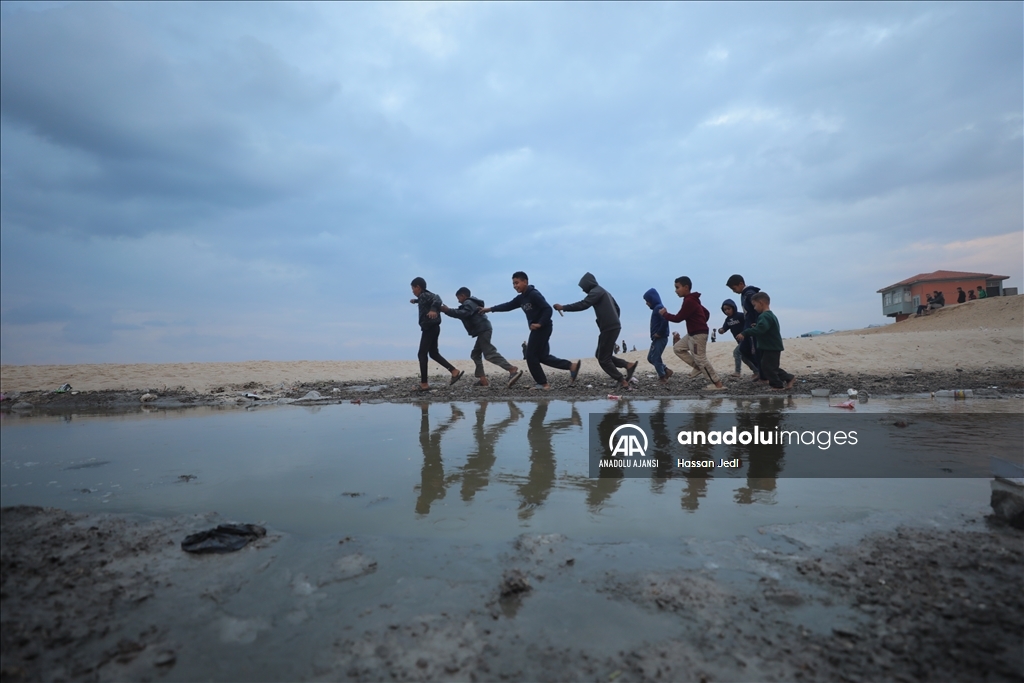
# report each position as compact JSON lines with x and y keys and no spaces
{"x":748,"y":347}
{"x":607,"y":311}
{"x":430,"y":331}
{"x":692,"y":349}
{"x":538,"y":315}
{"x":734,"y":323}
{"x":769,"y":343}
{"x":659,"y":334}
{"x":478,"y":326}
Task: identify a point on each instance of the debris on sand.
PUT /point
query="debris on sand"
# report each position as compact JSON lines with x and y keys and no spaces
{"x":226,"y":538}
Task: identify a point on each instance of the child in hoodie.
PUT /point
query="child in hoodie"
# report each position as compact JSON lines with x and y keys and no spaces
{"x":430,"y":330}
{"x":692,"y":349}
{"x":478,"y":326}
{"x":734,"y":323}
{"x":659,"y":334}
{"x":606,"y":309}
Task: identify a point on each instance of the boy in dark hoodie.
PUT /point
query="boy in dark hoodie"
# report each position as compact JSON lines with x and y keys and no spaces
{"x":659,"y":334}
{"x":538,"y":316}
{"x":607,"y":311}
{"x":692,"y":349}
{"x":735,"y":324}
{"x":478,"y":326}
{"x":769,"y":342}
{"x":748,"y":347}
{"x":430,"y":330}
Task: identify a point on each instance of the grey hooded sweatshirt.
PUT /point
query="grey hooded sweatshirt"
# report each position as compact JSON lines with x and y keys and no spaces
{"x":605,"y":308}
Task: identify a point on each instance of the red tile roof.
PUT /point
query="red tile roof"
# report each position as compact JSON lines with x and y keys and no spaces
{"x":939,"y":275}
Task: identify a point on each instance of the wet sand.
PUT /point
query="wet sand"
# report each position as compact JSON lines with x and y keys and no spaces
{"x":93,"y":597}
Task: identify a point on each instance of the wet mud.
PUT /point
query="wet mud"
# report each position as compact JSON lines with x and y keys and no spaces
{"x":995,"y":383}
{"x":95,"y":597}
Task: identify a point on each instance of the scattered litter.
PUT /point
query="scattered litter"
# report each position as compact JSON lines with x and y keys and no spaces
{"x":849,"y":405}
{"x":614,"y":397}
{"x":226,"y":538}
{"x":590,"y":386}
{"x":187,"y":478}
{"x":335,"y":390}
{"x":820,"y":392}
{"x":851,"y":392}
{"x":634,"y":380}
{"x":356,"y":401}
{"x":147,"y":397}
{"x":311,"y":396}
{"x":255,"y":397}
{"x":953,"y":393}
{"x":63,"y":388}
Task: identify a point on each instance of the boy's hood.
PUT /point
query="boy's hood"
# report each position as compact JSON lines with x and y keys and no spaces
{"x":729,"y":302}
{"x":478,"y":302}
{"x":692,"y":295}
{"x":652,"y":297}
{"x":588,"y":282}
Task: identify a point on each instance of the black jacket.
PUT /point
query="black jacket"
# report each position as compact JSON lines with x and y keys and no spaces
{"x":605,"y":307}
{"x":733,"y":323}
{"x":428,"y":301}
{"x":749,"y":312}
{"x":534,"y":305}
{"x":469,"y":313}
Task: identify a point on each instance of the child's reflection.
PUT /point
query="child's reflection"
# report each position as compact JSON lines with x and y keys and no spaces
{"x":432,"y":480}
{"x":539,"y":481}
{"x":477,"y":470}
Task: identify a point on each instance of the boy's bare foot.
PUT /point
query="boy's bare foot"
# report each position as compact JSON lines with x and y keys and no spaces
{"x":790,"y":383}
{"x":541,"y":387}
{"x":715,"y":387}
{"x":456,"y":376}
{"x":482,"y":382}
{"x":669,"y":372}
{"x":513,"y":376}
{"x":421,"y":387}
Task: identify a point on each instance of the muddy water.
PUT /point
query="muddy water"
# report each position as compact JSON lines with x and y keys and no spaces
{"x":463,"y":471}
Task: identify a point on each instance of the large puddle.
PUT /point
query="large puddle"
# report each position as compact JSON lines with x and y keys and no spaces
{"x":460,"y":471}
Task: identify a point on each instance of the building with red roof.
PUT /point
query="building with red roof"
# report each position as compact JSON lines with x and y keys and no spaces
{"x":901,"y":300}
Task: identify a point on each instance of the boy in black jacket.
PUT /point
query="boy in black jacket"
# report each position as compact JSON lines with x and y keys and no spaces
{"x":538,"y":315}
{"x":748,"y":347}
{"x":430,"y":331}
{"x":478,"y":326}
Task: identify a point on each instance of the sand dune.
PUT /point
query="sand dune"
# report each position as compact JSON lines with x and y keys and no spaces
{"x":981,"y":334}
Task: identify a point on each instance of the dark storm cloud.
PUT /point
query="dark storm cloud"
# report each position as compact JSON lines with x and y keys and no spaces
{"x":138,"y":141}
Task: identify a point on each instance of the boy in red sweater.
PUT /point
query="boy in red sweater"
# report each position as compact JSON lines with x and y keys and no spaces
{"x":692,"y":349}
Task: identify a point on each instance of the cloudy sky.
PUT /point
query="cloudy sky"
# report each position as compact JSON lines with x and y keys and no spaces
{"x":216,"y":182}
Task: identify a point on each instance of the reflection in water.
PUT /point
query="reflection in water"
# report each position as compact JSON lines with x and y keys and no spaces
{"x":477,"y":470}
{"x":432,"y":480}
{"x":697,"y":477}
{"x":765,"y":463}
{"x":534,"y":491}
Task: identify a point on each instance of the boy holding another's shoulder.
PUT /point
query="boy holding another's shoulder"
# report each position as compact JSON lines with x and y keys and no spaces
{"x":768,"y":333}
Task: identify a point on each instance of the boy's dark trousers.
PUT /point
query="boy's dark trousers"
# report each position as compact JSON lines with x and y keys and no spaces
{"x":769,"y":362}
{"x":428,"y":347}
{"x":605,"y":358}
{"x":484,"y":350}
{"x":749,"y":352}
{"x":538,"y":351}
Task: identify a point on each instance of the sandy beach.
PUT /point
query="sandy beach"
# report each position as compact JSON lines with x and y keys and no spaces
{"x":981,"y":335}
